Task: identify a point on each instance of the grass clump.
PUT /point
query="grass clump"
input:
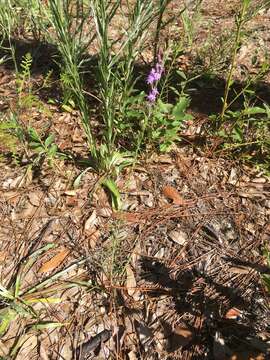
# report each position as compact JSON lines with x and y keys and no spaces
{"x":131,"y":120}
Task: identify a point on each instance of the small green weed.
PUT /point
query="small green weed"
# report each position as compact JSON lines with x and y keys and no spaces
{"x":15,"y":132}
{"x":166,"y":122}
{"x":44,"y":148}
{"x":8,"y":137}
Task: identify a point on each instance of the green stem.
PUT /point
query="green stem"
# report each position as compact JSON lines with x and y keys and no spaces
{"x":240,"y":22}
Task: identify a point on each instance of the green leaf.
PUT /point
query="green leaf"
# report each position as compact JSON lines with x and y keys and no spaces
{"x":237,"y":134}
{"x":49,"y":140}
{"x":182,"y":74}
{"x":53,"y":150}
{"x":246,"y":2}
{"x":188,"y":117}
{"x":180,"y":108}
{"x":38,"y":149}
{"x":17,"y":285}
{"x":163,"y":107}
{"x":31,"y":259}
{"x":267,"y":110}
{"x":266,"y":279}
{"x":51,"y":279}
{"x":21,"y":310}
{"x":33,"y":135}
{"x":164,"y":147}
{"x":6,"y":316}
{"x":254,"y":110}
{"x":175,"y":91}
{"x":233,"y":114}
{"x":112,"y":187}
{"x":78,"y":179}
{"x":5,"y":293}
{"x":34,"y":144}
{"x":67,"y":108}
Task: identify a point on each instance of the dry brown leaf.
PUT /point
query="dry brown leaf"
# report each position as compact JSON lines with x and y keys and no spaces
{"x":90,"y":223}
{"x":181,"y":336}
{"x":131,"y":281}
{"x":43,"y":352}
{"x":4,"y":350}
{"x":171,"y":193}
{"x":9,"y":195}
{"x":127,"y":216}
{"x":66,"y":350}
{"x":132,"y":355}
{"x":76,"y":135}
{"x":93,"y":238}
{"x":29,"y":344}
{"x":178,"y":236}
{"x":104,"y":212}
{"x":3,"y":255}
{"x":71,"y":201}
{"x":4,"y":79}
{"x":233,"y":313}
{"x":54,"y":262}
{"x":35,"y":197}
{"x":29,"y":211}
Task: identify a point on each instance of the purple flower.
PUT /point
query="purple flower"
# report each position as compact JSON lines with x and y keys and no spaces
{"x":155,"y":74}
{"x":152,"y":95}
{"x":153,"y":78}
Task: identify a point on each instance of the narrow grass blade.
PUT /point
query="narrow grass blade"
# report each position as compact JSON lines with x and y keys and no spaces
{"x":46,"y":325}
{"x":51,"y":279}
{"x":115,"y":194}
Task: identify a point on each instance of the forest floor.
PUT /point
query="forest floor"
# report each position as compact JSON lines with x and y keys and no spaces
{"x":176,"y":274}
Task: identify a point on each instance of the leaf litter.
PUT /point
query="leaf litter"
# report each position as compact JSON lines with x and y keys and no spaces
{"x":170,"y":282}
{"x":183,"y":282}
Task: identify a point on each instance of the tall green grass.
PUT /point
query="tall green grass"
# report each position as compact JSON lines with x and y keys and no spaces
{"x":115,"y":34}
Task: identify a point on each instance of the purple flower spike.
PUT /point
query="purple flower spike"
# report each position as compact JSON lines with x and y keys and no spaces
{"x":152,"y":95}
{"x":151,"y":77}
{"x":152,"y":80}
{"x":155,"y":74}
{"x":159,"y":69}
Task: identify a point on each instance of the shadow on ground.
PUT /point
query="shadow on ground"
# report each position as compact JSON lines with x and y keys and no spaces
{"x":206,"y":92}
{"x":192,"y":299}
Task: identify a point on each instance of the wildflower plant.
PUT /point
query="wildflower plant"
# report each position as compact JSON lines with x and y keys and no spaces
{"x":153,"y":79}
{"x":164,"y":120}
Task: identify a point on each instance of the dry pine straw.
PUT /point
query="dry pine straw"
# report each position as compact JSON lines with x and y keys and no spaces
{"x":171,"y":287}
